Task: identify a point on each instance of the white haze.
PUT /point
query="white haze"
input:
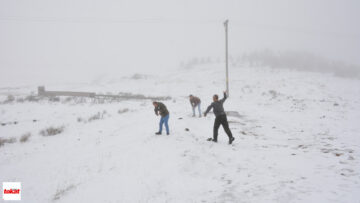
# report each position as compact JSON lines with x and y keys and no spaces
{"x":45,"y":42}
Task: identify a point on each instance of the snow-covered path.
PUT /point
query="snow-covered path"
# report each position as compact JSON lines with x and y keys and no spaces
{"x":297,"y":140}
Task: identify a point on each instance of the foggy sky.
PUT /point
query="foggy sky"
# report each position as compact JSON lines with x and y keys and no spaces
{"x":44,"y":41}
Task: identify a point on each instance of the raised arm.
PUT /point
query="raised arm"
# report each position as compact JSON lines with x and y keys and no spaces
{"x":224,"y":98}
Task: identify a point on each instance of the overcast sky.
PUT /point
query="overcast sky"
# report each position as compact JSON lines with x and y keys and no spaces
{"x":44,"y":41}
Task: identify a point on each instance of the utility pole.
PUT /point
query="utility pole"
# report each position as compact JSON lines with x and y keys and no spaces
{"x":226,"y":56}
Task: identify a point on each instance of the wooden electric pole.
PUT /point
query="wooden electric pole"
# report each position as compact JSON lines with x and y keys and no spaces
{"x":226,"y":56}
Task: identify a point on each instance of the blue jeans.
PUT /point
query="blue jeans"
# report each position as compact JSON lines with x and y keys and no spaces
{"x":165,"y":120}
{"x":193,"y":108}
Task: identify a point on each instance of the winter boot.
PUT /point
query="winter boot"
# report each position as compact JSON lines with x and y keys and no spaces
{"x":231,"y":140}
{"x":158,"y":133}
{"x":211,"y":139}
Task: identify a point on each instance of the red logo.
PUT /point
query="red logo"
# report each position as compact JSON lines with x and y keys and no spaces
{"x":12,"y":191}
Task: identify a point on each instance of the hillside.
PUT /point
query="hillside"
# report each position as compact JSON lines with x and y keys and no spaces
{"x":296,"y":140}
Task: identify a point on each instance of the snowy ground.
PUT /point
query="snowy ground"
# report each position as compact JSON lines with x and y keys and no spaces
{"x":297,"y":140}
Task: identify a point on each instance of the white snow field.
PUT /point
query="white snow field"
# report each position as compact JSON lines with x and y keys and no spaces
{"x":297,"y":140}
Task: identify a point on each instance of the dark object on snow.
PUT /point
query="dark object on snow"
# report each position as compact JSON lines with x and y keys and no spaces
{"x":3,"y":124}
{"x":15,"y":122}
{"x":25,"y":137}
{"x":336,"y":104}
{"x":120,"y":111}
{"x":34,"y":120}
{"x":187,"y":129}
{"x":7,"y":140}
{"x":51,"y":131}
{"x":180,"y":118}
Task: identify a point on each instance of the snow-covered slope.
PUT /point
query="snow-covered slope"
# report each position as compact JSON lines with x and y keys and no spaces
{"x":297,"y":140}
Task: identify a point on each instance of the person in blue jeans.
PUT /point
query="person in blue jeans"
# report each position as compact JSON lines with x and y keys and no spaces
{"x":195,"y":101}
{"x":161,"y":109}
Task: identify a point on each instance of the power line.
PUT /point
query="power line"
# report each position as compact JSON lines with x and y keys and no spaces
{"x":236,"y":23}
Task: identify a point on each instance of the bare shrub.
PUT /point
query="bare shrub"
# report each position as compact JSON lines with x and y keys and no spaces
{"x":62,"y":192}
{"x":54,"y":99}
{"x":97,"y":116}
{"x":80,"y":100}
{"x":51,"y":131}
{"x":68,"y":99}
{"x":32,"y":98}
{"x":74,"y":100}
{"x":9,"y":99}
{"x":6,"y":140}
{"x":273,"y":94}
{"x":20,"y":100}
{"x":99,"y":101}
{"x":25,"y":137}
{"x":120,"y":111}
{"x":138,"y":76}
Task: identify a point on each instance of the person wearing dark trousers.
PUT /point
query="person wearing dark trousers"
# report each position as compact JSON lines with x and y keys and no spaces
{"x":161,"y":109}
{"x":220,"y":119}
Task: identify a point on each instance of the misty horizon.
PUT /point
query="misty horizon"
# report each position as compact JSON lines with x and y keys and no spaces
{"x":69,"y":41}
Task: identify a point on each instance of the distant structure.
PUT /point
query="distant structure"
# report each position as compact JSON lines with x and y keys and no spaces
{"x":121,"y":96}
{"x":43,"y":92}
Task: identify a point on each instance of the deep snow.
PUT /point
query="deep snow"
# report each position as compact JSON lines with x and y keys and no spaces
{"x":297,"y":140}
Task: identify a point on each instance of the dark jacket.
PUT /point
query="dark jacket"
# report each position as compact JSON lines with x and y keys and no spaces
{"x":194,"y":101}
{"x":217,"y":106}
{"x":161,"y":109}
